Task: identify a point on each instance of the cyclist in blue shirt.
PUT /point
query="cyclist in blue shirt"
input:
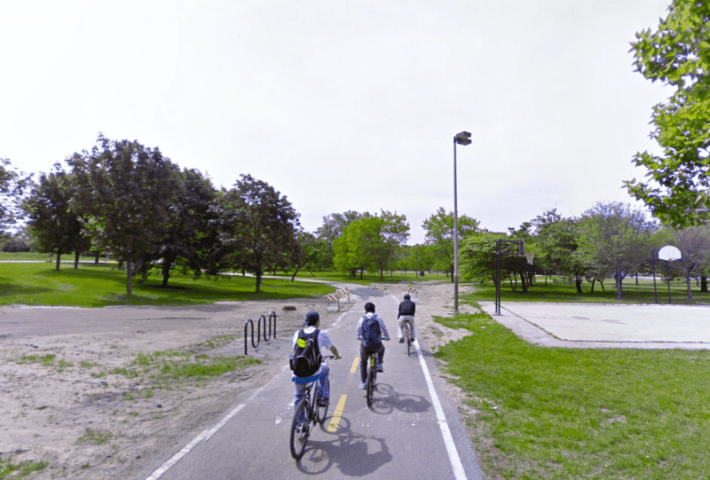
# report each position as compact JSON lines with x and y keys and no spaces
{"x":312,"y":323}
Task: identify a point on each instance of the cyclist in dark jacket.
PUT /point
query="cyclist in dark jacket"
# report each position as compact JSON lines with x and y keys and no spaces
{"x":371,"y":346}
{"x":406,"y":315}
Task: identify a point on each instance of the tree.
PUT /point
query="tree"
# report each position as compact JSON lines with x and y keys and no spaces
{"x":55,"y":225}
{"x":335,"y":223}
{"x":332,"y":229}
{"x":259,"y":224}
{"x":478,"y":257}
{"x":556,"y":247}
{"x":12,"y":187}
{"x":694,"y":244}
{"x":370,"y":243}
{"x":310,"y":252}
{"x":416,"y":257}
{"x":614,"y":237}
{"x":125,"y":196}
{"x":440,"y":233}
{"x":189,"y":232}
{"x":678,"y":54}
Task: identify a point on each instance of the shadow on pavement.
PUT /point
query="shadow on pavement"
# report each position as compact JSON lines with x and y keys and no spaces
{"x":355,"y":455}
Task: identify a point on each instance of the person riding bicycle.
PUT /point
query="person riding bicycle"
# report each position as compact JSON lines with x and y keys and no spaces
{"x":406,"y":315}
{"x":323,"y":340}
{"x":371,"y":330}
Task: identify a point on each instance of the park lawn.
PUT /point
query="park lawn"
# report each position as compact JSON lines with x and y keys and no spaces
{"x":368,"y":278}
{"x":100,"y":286}
{"x":564,"y":292}
{"x":558,"y":413}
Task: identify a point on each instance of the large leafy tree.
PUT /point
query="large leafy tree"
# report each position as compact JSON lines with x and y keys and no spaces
{"x":678,"y":54}
{"x":126,"y":193}
{"x":190,"y":231}
{"x":555,"y":245}
{"x":259,"y":225}
{"x":55,"y":225}
{"x":615,"y":237}
{"x":371,"y":243}
{"x":440,"y":234}
{"x":333,"y":226}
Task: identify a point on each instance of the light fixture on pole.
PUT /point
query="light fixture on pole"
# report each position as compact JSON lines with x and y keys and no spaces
{"x":462,"y":138}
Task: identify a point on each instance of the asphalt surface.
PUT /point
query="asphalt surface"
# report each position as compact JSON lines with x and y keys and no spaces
{"x":409,"y":433}
{"x":606,"y":325}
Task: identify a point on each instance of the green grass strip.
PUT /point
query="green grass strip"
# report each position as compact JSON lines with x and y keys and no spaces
{"x":20,"y":470}
{"x":100,"y":286}
{"x":554,"y":413}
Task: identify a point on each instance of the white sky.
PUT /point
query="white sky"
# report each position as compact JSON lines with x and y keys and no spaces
{"x":344,"y":105}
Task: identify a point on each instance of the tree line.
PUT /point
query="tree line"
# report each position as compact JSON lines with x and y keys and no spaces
{"x":609,"y":240}
{"x":134,"y":203}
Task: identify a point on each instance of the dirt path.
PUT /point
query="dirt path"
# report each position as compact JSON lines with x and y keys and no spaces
{"x":73,"y":392}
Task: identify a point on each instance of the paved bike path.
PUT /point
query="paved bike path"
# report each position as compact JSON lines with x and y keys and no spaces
{"x":400,"y":437}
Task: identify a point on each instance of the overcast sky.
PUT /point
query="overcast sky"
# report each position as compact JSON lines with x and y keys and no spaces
{"x":344,"y":105}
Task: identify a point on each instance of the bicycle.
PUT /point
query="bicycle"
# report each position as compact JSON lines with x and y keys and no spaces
{"x":371,"y":378}
{"x":305,"y":416}
{"x":408,"y":336}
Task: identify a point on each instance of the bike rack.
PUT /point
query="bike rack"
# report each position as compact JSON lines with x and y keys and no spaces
{"x":272,"y":317}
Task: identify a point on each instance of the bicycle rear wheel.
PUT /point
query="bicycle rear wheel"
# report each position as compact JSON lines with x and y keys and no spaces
{"x":409,"y":338}
{"x":370,"y":383}
{"x":300,"y":429}
{"x":321,"y":412}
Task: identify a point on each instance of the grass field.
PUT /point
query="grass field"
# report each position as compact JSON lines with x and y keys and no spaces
{"x":561,"y":291}
{"x":553,"y":413}
{"x":369,"y":278}
{"x":100,"y":286}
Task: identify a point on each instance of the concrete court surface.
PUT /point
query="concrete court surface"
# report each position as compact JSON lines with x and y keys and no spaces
{"x":580,"y":325}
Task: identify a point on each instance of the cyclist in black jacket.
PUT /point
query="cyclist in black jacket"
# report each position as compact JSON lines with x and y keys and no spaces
{"x":406,"y":315}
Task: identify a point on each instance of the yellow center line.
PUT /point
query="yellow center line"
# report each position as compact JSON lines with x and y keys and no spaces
{"x":338,"y":413}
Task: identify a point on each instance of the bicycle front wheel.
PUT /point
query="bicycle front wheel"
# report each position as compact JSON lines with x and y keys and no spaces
{"x":299,"y":430}
{"x":321,"y":412}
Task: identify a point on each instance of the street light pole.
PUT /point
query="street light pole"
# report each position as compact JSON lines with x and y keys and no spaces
{"x":462,"y":138}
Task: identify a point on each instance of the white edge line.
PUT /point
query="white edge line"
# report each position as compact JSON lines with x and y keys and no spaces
{"x":339,"y":319}
{"x":204,"y":436}
{"x":456,"y":464}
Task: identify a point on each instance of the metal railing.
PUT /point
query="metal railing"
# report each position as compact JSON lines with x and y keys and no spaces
{"x":272,"y":317}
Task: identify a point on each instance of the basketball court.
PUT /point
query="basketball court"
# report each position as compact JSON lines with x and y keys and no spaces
{"x":581,"y":325}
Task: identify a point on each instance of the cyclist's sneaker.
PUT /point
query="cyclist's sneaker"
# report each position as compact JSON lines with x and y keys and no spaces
{"x":379,"y":368}
{"x":401,"y":340}
{"x":362,"y":386}
{"x":323,"y":402}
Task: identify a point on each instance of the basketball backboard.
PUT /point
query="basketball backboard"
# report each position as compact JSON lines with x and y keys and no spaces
{"x":669,"y":253}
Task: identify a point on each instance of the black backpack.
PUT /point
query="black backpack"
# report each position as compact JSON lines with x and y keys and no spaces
{"x":371,"y":332}
{"x":306,"y":357}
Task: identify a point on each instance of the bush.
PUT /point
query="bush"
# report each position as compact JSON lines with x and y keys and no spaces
{"x":15,"y":245}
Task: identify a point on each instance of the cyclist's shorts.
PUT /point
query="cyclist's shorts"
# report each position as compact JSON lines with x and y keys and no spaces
{"x":312,"y":378}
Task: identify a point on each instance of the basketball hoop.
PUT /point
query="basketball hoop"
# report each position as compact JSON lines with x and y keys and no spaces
{"x":529,"y":257}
